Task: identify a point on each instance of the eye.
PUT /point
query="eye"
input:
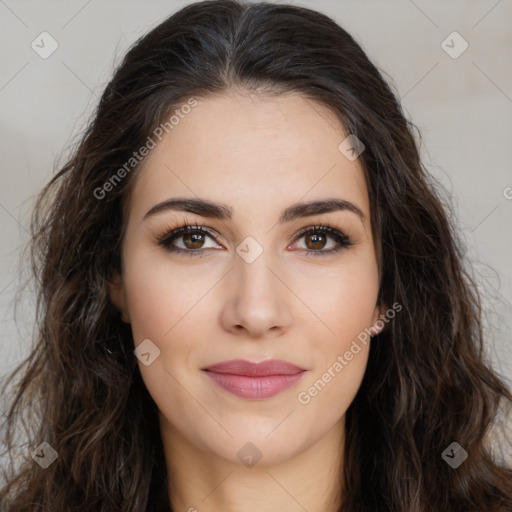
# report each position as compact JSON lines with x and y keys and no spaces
{"x":316,"y":239}
{"x":193,"y":238}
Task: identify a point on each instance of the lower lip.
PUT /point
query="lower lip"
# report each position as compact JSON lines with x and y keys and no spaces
{"x":254,"y":387}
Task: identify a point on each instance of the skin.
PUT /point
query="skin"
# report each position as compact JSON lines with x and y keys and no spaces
{"x":258,"y":155}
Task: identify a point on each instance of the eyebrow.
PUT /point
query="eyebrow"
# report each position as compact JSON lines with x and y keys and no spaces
{"x":221,"y":211}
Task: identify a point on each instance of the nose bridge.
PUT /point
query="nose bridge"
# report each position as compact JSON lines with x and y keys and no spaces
{"x":254,"y":281}
{"x":257,"y":299}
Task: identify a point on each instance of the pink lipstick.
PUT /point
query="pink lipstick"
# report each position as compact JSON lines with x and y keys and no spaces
{"x":254,"y":380}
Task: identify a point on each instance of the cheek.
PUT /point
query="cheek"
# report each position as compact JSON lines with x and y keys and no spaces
{"x":164,"y":307}
{"x":324,"y":399}
{"x":160,"y":294}
{"x":352,"y":306}
{"x":344,"y":300}
{"x":341,"y":355}
{"x":168,"y":304}
{"x":346,"y":305}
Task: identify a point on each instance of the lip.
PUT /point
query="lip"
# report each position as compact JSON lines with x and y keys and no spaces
{"x":255,"y":381}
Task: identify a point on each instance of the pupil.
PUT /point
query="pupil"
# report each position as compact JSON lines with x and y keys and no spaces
{"x":317,"y":239}
{"x":194,"y":239}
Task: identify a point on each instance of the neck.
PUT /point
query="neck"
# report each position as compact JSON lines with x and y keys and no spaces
{"x":200,"y":481}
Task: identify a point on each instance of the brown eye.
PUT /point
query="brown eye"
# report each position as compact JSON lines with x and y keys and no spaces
{"x":193,"y":240}
{"x":187,"y":239}
{"x":317,"y":238}
{"x":315,"y":241}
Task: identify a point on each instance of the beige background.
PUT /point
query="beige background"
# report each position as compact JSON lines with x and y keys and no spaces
{"x":462,"y":106}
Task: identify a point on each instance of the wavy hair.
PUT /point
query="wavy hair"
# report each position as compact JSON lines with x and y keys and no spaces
{"x":427,"y":383}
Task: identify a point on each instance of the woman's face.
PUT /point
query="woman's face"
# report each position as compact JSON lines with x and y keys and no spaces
{"x":250,"y":286}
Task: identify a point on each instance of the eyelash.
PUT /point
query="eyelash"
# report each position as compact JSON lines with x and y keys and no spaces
{"x":169,"y":235}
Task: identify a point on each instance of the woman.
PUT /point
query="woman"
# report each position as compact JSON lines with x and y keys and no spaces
{"x":250,"y":294}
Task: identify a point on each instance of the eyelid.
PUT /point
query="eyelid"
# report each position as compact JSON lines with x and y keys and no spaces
{"x":170,"y":232}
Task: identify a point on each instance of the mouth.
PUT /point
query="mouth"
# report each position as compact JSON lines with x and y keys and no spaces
{"x":255,"y":381}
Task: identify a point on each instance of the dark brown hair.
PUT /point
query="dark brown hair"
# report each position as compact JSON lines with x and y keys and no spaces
{"x":427,"y":383}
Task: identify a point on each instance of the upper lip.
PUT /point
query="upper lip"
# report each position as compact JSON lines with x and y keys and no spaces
{"x":248,"y":368}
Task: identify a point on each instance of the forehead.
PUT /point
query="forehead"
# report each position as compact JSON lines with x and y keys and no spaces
{"x":252,"y":152}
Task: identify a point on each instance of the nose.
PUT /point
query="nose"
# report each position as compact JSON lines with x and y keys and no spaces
{"x":258,"y":302}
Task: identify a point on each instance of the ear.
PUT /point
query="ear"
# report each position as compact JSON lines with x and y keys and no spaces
{"x":118,"y":296}
{"x":379,"y":319}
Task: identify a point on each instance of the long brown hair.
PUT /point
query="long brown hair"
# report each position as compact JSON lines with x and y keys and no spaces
{"x":427,"y":384}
